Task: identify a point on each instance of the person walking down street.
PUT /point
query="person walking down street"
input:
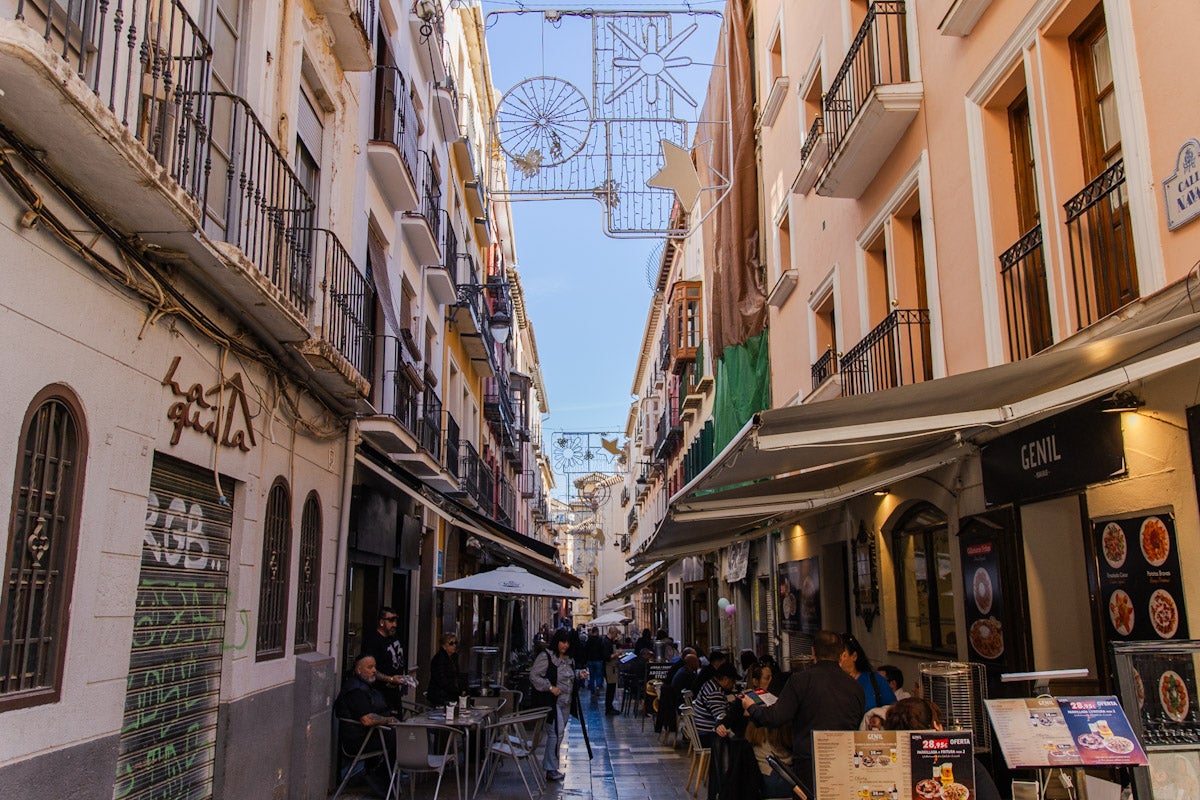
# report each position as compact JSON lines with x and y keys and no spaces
{"x":359,"y":708}
{"x":875,"y":687}
{"x":445,"y":681}
{"x":595,"y":662}
{"x":821,"y":698}
{"x":612,"y":669}
{"x":552,"y":677}
{"x":390,"y":664}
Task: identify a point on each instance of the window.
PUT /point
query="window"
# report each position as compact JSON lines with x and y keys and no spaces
{"x":40,"y":557}
{"x":783,"y":233}
{"x":276,"y":561}
{"x":924,"y":582}
{"x":308,"y":589}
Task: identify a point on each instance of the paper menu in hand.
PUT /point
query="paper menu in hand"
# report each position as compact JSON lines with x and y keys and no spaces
{"x":762,"y":698}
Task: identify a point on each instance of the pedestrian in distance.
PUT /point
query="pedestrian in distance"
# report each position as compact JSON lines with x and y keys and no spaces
{"x":612,"y":669}
{"x":595,"y":661}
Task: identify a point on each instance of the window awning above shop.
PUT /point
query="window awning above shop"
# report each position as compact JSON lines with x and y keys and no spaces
{"x":537,"y":557}
{"x":787,"y":462}
{"x":643,"y":578}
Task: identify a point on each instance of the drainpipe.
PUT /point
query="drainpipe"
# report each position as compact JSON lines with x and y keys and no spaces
{"x":339,"y":569}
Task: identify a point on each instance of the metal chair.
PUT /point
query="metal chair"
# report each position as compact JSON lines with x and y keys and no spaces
{"x":516,"y":737}
{"x":411,"y":708}
{"x":415,"y":752}
{"x":494,"y":704}
{"x":373,"y":746}
{"x":514,"y":698}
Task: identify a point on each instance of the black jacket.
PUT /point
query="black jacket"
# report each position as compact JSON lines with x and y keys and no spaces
{"x":820,"y":698}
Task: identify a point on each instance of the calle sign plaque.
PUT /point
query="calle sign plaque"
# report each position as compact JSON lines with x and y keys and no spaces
{"x":1065,"y":452}
{"x":1181,"y":189}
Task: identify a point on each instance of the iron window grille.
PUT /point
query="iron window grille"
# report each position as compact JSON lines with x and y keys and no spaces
{"x":272,"y":597}
{"x":308,"y":589}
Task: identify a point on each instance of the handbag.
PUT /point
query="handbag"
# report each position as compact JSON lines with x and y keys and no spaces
{"x":538,"y":698}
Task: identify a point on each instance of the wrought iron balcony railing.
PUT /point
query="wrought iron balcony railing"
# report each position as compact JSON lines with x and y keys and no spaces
{"x":487,"y":489}
{"x":395,"y":116}
{"x":878,"y":56}
{"x":469,"y":468}
{"x":1026,"y":298}
{"x":152,"y":73}
{"x":347,"y":299}
{"x":453,"y":457}
{"x":1102,"y":258}
{"x":261,"y":206}
{"x":429,"y":425}
{"x":397,"y":395}
{"x":895,"y":353}
{"x":814,"y":136}
{"x":429,"y":192}
{"x":824,"y":367}
{"x":506,"y":507}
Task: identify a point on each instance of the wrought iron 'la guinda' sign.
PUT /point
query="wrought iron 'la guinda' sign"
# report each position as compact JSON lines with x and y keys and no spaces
{"x":220,"y":412}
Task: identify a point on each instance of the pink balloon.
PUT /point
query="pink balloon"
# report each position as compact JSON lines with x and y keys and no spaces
{"x":730,"y":609}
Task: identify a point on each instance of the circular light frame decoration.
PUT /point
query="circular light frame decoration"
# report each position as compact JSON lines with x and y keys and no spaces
{"x":543,"y":122}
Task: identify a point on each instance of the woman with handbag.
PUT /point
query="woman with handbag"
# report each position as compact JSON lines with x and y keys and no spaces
{"x":552,"y":677}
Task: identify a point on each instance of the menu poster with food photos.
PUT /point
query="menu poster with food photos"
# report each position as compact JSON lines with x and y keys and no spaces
{"x":800,"y":596}
{"x":889,"y":765}
{"x":1140,"y":581}
{"x":942,"y":765}
{"x":1101,"y":731}
{"x":983,"y":599}
{"x":1164,"y":687}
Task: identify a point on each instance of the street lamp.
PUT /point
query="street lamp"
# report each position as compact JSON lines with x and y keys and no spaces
{"x":499,"y":319}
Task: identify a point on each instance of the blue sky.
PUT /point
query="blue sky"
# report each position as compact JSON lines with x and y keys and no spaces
{"x":587,"y":293}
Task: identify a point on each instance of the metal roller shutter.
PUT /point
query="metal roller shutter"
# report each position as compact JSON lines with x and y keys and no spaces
{"x":169,"y":732}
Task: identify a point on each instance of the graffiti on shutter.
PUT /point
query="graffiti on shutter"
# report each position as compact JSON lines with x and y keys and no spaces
{"x":169,"y":731}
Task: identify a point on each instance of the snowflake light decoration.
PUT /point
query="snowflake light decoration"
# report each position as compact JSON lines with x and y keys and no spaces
{"x":652,"y":65}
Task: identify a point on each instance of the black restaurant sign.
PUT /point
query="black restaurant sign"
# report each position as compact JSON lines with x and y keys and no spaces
{"x":1065,"y":452}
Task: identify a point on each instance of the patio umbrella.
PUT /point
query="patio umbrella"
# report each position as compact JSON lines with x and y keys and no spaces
{"x":511,"y":582}
{"x":612,"y":618}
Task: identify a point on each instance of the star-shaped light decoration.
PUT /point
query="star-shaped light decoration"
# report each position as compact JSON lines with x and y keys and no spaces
{"x":678,"y":174}
{"x":654,"y":65}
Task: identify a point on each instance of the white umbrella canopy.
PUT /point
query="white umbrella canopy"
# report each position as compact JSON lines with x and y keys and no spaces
{"x":510,"y":580}
{"x":611,"y":618}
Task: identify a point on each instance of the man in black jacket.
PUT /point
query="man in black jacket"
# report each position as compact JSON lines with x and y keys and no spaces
{"x":821,"y":698}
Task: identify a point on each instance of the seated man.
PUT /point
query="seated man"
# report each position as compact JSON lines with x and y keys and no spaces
{"x":359,"y":708}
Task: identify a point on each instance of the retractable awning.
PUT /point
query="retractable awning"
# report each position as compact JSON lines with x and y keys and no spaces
{"x":640,"y":579}
{"x":537,"y":557}
{"x":789,"y":461}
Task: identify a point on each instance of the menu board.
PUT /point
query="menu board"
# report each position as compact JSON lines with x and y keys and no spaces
{"x":984,"y":601}
{"x":1065,"y":731}
{"x":800,"y":596}
{"x":1140,"y":581}
{"x":894,"y":765}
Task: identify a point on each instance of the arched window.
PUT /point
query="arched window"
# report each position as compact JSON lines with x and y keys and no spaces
{"x":276,"y":564}
{"x":40,"y":558}
{"x":308,"y":588}
{"x":924,"y":583}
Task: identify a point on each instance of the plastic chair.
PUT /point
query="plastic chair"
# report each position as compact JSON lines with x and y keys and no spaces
{"x":415,"y":752}
{"x":373,"y":746}
{"x":516,"y":737}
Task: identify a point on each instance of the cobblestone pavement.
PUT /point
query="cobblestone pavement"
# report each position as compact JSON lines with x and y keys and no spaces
{"x":629,"y":763}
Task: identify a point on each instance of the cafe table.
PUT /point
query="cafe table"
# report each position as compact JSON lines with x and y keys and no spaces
{"x":470,"y":721}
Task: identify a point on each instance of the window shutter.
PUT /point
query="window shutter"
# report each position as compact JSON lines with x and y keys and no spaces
{"x":310,"y":127}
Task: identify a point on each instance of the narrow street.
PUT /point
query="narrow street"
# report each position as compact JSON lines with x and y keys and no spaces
{"x":629,"y":763}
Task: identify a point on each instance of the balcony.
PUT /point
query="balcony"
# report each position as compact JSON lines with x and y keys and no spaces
{"x":670,"y":435}
{"x":440,"y":277}
{"x":870,"y":103}
{"x":631,"y":521}
{"x":1026,"y":301}
{"x":528,"y":480}
{"x":423,"y":226}
{"x":393,"y":429}
{"x":469,"y":466}
{"x":486,"y":491}
{"x":429,"y":424}
{"x":813,"y":157}
{"x":351,"y":22}
{"x":343,"y":356}
{"x":498,"y":411}
{"x":392,"y":152}
{"x":895,"y":353}
{"x":1102,"y":258}
{"x":453,"y":446}
{"x":506,"y":507}
{"x":824,"y":368}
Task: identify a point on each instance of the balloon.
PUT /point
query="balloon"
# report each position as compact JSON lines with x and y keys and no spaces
{"x":723,"y":603}
{"x":730,"y":609}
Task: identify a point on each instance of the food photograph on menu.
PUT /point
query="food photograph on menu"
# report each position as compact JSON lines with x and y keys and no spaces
{"x":800,"y":596}
{"x":1164,"y":688}
{"x":983,"y":600}
{"x":1140,"y":581}
{"x":942,"y":765}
